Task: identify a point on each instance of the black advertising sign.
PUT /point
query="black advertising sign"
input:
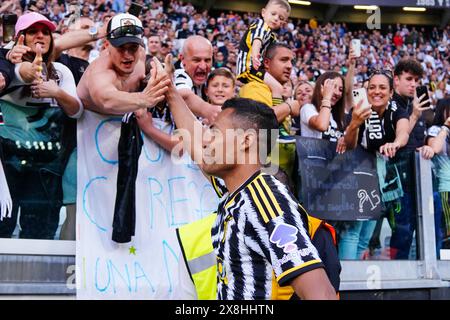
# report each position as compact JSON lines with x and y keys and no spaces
{"x":337,"y":187}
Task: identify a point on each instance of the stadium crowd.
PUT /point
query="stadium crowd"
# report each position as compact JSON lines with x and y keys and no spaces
{"x":318,"y":48}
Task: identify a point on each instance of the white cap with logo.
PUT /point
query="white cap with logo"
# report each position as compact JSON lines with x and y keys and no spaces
{"x":124,"y":28}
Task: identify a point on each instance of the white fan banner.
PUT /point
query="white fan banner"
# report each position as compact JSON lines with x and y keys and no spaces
{"x":168,"y":195}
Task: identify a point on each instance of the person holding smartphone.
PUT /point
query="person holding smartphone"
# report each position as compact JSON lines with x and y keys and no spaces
{"x":401,"y":208}
{"x":380,"y":126}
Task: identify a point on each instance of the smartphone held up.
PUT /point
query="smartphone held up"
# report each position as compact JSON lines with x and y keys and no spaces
{"x":356,"y":46}
{"x":420,"y":91}
{"x":360,"y":95}
{"x":8,"y":24}
{"x":135,"y":9}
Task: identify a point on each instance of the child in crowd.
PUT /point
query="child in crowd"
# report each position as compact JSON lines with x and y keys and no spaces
{"x":256,"y":40}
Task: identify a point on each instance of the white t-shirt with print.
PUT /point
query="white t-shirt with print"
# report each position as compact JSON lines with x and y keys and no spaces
{"x":307,"y":112}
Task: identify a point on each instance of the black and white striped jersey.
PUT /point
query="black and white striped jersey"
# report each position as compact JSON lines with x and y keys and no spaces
{"x":261,"y":240}
{"x":257,"y":30}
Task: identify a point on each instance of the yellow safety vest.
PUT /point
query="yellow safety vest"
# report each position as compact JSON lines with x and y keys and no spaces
{"x":198,"y":252}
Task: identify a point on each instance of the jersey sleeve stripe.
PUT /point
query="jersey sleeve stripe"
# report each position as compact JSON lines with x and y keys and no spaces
{"x":303,"y":265}
{"x":258,"y":203}
{"x":273,"y":205}
{"x":271,"y":196}
{"x":249,"y":39}
{"x":270,"y":208}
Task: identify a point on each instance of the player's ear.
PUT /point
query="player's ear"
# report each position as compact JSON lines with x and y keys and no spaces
{"x":250,"y":140}
{"x":266,"y":62}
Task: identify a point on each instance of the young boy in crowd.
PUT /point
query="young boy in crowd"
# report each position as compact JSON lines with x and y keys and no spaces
{"x":255,"y":41}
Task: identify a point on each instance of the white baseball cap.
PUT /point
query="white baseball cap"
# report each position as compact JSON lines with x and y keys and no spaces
{"x":124,"y":28}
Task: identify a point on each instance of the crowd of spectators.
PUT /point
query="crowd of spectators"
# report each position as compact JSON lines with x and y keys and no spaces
{"x":318,"y":48}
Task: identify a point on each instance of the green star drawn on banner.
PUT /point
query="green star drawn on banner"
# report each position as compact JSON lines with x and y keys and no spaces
{"x":132,"y":250}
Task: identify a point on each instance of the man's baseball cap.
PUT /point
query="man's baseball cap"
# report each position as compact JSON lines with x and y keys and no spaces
{"x":27,"y":20}
{"x":124,"y":28}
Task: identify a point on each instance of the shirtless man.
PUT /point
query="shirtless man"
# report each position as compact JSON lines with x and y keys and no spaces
{"x":109,"y":86}
{"x":111,"y":82}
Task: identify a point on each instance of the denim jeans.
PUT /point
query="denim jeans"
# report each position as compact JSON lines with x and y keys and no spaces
{"x":403,"y":220}
{"x":354,"y":239}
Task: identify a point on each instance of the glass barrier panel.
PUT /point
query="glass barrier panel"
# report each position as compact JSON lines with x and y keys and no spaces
{"x":441,"y":190}
{"x":38,"y":153}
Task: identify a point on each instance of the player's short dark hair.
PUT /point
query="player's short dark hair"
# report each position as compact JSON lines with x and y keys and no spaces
{"x":251,"y":114}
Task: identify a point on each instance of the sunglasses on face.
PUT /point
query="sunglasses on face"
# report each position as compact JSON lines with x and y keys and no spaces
{"x":126,"y":31}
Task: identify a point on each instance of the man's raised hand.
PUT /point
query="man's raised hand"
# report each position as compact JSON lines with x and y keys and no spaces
{"x":157,"y":85}
{"x":168,"y":65}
